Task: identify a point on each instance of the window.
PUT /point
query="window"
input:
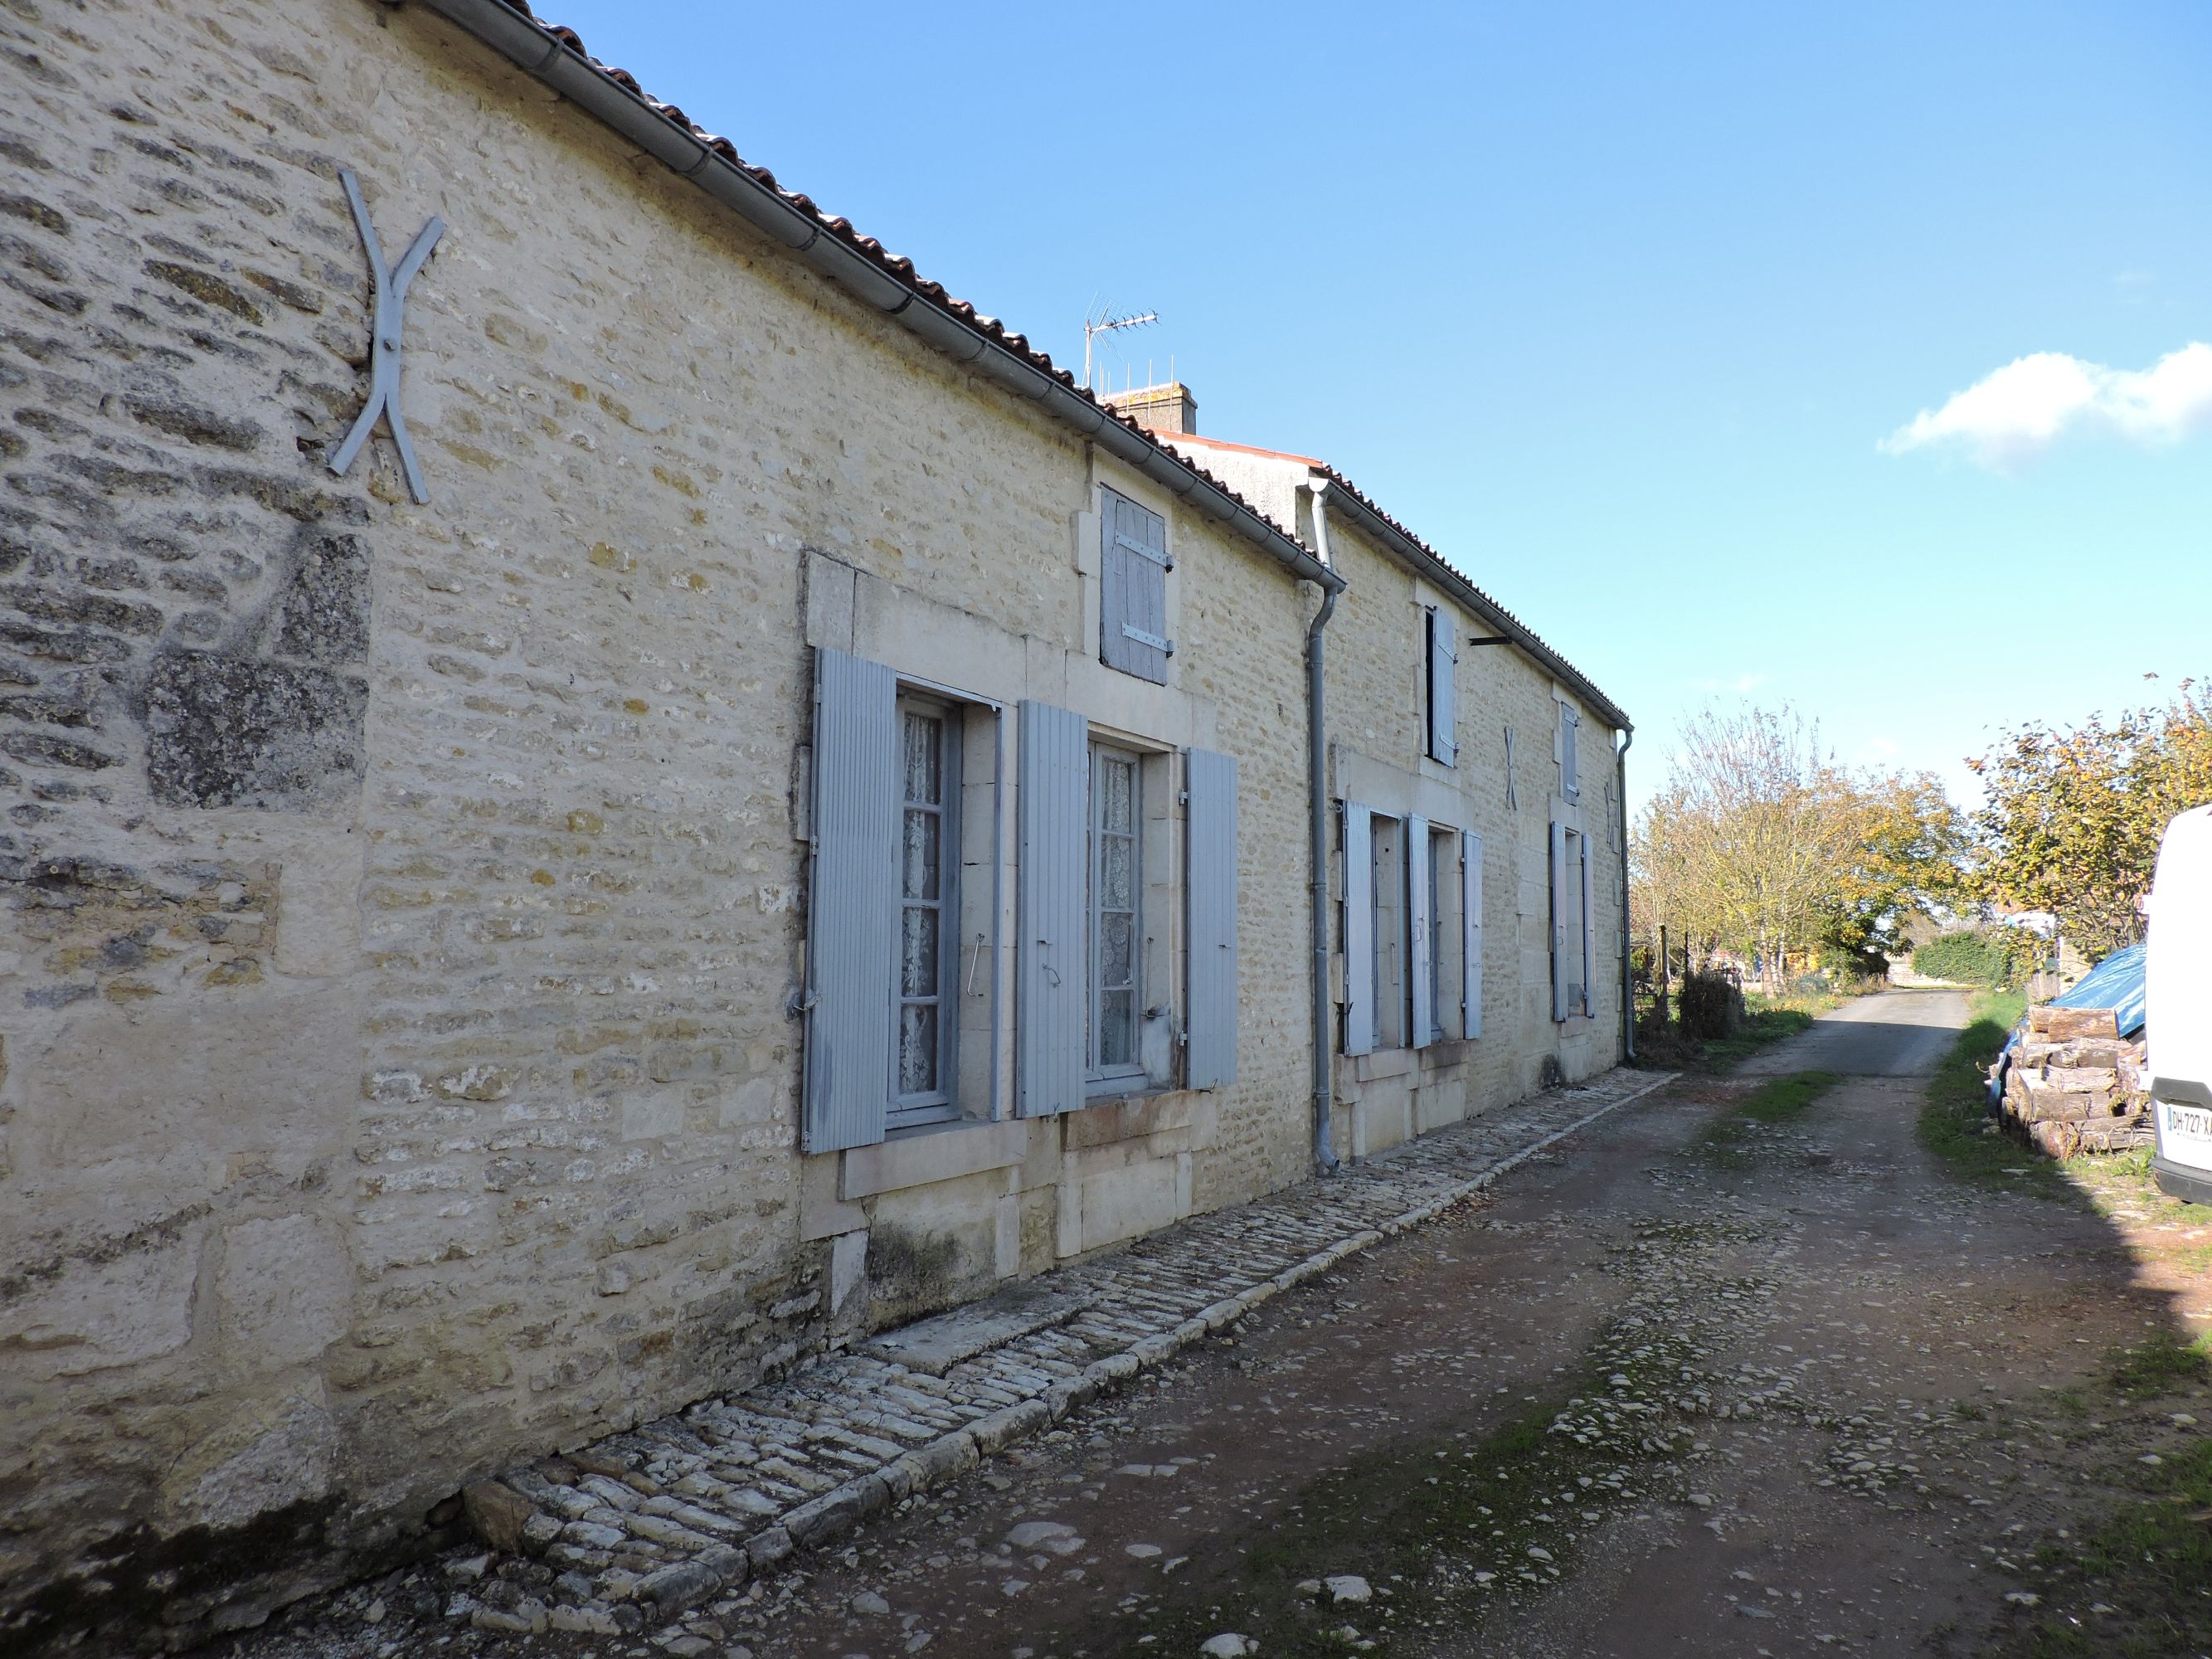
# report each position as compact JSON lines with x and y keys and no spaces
{"x":1442,"y":918}
{"x":1443,"y":699}
{"x":926,"y":1026}
{"x":1132,"y":589}
{"x":1115,"y":885}
{"x":1574,"y":935}
{"x":1392,"y":981}
{"x":887,"y":913}
{"x":1569,"y":774}
{"x":1106,"y":869}
{"x":1412,"y":928}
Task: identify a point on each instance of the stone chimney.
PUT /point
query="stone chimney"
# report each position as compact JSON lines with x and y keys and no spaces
{"x":1169,"y":407}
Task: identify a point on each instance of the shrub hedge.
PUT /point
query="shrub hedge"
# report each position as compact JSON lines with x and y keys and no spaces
{"x":1709,"y":1006}
{"x":1980,"y":956}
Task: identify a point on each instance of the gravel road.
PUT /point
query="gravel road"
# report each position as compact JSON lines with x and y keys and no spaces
{"x":1696,"y":1380}
{"x":1897,"y":1034}
{"x":1858,"y":1397}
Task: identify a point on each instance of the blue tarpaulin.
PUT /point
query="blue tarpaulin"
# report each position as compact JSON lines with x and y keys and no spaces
{"x":2116,"y":984}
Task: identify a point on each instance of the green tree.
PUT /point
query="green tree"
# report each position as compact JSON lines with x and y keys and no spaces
{"x":2071,"y":818}
{"x":1760,"y":842}
{"x":1906,"y":861}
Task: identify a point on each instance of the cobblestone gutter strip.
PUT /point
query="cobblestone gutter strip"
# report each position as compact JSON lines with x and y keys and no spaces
{"x":650,"y":1523}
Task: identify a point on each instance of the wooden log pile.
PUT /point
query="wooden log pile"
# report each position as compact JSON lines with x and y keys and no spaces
{"x":2077,"y":1085}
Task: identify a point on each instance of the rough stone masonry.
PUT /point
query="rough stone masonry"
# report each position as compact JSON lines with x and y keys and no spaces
{"x":404,"y":903}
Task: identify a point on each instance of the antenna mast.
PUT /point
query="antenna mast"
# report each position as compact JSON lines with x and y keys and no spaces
{"x":1105,"y":323}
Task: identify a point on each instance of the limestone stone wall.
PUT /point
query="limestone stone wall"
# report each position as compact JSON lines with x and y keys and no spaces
{"x":1375,"y":672}
{"x":403,"y":903}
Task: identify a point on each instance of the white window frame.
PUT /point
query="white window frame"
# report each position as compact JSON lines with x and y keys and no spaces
{"x":852,"y":992}
{"x":1128,"y":1077}
{"x":1391,"y":964}
{"x":1443,"y":866}
{"x":942,"y":1104}
{"x":1572,"y":929}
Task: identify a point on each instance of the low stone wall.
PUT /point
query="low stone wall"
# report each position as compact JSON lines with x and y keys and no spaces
{"x":2075,"y":1085}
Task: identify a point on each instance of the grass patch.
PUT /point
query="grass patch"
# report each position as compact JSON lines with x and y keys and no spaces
{"x":2161,"y":1364}
{"x":1768,"y":1025}
{"x":1731,"y":1141}
{"x":2149,"y":1565}
{"x":1770,"y":1019}
{"x":1955,"y":1124}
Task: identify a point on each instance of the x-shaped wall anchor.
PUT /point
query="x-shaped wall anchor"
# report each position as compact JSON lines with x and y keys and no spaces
{"x":389,"y":324}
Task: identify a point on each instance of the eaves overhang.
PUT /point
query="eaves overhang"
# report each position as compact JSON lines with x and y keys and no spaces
{"x":860,"y":264}
{"x":1351,"y":502}
{"x":1410,"y":550}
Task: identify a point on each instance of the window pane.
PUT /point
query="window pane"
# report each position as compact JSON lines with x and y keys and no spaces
{"x":1114,"y":953}
{"x":925,"y":775}
{"x":918,"y":952}
{"x":1117,"y":890}
{"x":917,"y":1048}
{"x":1117,"y":1044}
{"x":920,"y":877}
{"x":1118,"y":779}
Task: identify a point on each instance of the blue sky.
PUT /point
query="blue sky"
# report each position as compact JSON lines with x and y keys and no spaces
{"x":1616,"y":305}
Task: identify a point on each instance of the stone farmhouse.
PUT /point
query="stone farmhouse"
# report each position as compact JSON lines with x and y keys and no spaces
{"x":607,"y":790}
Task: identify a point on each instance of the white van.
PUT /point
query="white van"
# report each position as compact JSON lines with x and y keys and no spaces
{"x":2178,"y":993}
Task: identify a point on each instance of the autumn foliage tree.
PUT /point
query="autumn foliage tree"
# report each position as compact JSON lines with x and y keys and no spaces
{"x":2071,"y":817}
{"x":1761,"y":842}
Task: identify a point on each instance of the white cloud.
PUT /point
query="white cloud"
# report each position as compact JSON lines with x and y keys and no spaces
{"x":2014,"y":414}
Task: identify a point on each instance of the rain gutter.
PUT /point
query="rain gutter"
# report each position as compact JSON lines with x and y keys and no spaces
{"x":1627,"y":944}
{"x":1324,"y":1011}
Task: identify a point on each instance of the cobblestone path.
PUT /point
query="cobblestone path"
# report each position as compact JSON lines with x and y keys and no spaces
{"x":646,"y":1525}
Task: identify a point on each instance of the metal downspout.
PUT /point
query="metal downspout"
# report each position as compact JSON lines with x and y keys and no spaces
{"x":1324,"y":1023}
{"x":1627,"y":944}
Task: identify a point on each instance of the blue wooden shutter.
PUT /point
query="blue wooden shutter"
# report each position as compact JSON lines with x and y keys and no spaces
{"x":852,"y":908}
{"x":1558,"y":919}
{"x":1470,"y":962}
{"x":1132,"y":589}
{"x":1417,"y":895}
{"x":1212,"y":894}
{"x":1589,"y":926}
{"x":1358,"y":930}
{"x":1570,"y":784}
{"x":1050,"y":892}
{"x":1443,"y":743}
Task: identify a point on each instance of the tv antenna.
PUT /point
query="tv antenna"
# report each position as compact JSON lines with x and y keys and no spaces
{"x":1105,"y":323}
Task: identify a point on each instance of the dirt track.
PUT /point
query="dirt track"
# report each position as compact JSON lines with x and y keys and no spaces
{"x":1694,"y":1381}
{"x":1893,"y":1392}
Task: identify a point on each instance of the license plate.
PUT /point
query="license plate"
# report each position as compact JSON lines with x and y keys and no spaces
{"x":2185,"y":1135}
